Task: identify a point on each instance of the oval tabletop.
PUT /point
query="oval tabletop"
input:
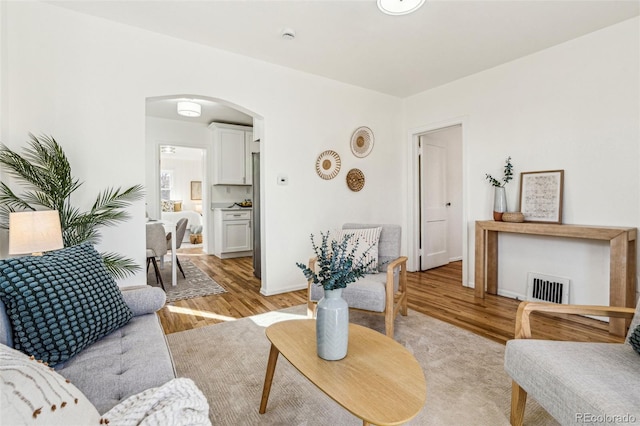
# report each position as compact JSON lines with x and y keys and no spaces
{"x":379,"y":380}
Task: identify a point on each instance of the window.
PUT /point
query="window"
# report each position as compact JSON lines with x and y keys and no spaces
{"x":166,"y":183}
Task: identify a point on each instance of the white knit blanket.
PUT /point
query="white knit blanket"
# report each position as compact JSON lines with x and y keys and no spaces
{"x":178,"y":402}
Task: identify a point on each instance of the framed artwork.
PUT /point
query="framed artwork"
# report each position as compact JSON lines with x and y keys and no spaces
{"x":541,"y":196}
{"x":196,"y":190}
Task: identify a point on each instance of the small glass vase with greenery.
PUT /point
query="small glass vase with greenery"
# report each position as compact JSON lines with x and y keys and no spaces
{"x":500,"y":196}
{"x":337,"y":263}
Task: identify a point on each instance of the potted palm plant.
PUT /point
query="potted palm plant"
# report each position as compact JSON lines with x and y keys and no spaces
{"x":336,"y":265}
{"x":45,"y":172}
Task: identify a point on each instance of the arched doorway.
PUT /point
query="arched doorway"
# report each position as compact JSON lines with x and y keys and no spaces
{"x":167,"y":130}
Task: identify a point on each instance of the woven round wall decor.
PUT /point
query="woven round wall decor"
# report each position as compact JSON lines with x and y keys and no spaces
{"x":362,"y":142}
{"x":328,"y":164}
{"x":355,"y":180}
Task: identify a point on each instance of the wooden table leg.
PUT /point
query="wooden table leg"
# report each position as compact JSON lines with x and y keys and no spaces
{"x":481,"y":255}
{"x":268,"y":378}
{"x":492,"y":262}
{"x":486,"y":268}
{"x":622,"y":270}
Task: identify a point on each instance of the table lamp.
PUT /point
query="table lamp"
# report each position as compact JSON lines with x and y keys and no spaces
{"x":34,"y":232}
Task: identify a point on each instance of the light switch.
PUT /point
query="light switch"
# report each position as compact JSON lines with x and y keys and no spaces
{"x":283,"y":179}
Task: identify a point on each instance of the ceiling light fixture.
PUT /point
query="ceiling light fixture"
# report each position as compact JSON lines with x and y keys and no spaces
{"x":168,"y":149}
{"x":189,"y":109}
{"x":399,"y":7}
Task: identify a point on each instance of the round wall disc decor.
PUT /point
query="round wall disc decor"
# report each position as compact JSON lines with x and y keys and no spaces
{"x":355,"y":180}
{"x":362,"y":142}
{"x":328,"y":164}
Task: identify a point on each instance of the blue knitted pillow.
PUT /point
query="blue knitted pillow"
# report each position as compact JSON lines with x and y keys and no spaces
{"x":634,"y":339}
{"x":61,"y":302}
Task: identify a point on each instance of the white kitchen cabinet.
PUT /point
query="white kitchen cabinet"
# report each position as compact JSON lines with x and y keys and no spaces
{"x":232,"y":154}
{"x":232,"y":233}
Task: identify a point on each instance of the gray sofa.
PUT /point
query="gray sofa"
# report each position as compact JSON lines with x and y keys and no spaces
{"x":127,"y":361}
{"x":577,"y":383}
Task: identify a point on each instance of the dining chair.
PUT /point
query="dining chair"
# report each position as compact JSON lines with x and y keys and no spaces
{"x":181,"y":228}
{"x":156,"y":247}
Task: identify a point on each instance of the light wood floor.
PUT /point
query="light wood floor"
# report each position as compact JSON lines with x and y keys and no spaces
{"x":437,"y":293}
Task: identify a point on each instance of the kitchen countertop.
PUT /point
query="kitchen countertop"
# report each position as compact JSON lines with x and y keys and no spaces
{"x":227,"y":206}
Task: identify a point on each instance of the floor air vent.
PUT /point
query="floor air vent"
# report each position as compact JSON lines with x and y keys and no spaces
{"x":546,"y":288}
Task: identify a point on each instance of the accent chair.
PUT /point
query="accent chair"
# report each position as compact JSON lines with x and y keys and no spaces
{"x":382,"y":293}
{"x":576,"y":382}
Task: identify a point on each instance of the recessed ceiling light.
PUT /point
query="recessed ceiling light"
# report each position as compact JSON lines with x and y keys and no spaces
{"x":189,"y":109}
{"x":399,"y":7}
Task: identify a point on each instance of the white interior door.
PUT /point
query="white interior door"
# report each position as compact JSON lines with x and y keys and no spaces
{"x":433,"y":194}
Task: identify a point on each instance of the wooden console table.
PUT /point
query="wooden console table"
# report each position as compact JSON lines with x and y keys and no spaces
{"x":622,"y":275}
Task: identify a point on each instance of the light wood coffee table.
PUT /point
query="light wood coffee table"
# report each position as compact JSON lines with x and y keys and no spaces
{"x":378,"y":381}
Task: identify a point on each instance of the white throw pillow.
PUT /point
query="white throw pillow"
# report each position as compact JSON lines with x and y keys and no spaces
{"x":167,"y":206}
{"x":32,"y":393}
{"x":367,"y":237}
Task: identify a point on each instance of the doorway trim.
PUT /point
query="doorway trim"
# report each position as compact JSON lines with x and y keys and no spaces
{"x":413,"y":196}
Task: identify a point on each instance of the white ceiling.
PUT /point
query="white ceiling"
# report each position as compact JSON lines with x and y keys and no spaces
{"x":353,"y":42}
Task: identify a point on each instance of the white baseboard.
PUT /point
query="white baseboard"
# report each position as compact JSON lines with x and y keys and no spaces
{"x":512,"y":295}
{"x":505,"y":293}
{"x":283,"y":290}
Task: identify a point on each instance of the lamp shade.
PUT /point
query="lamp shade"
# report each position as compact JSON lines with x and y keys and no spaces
{"x":189,"y":109}
{"x":34,"y":231}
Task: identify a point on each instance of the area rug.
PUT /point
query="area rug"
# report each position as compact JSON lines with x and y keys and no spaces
{"x":196,"y":283}
{"x":466,"y":382}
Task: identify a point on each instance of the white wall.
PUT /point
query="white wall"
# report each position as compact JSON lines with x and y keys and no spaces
{"x":574,"y":107}
{"x":85,"y":81}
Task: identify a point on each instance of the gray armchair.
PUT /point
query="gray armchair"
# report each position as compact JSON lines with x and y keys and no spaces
{"x":384,"y":293}
{"x":575,"y":382}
